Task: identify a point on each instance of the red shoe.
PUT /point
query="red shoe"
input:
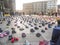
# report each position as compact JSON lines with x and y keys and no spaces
{"x":16,"y":39}
{"x":12,"y":40}
{"x":41,"y":43}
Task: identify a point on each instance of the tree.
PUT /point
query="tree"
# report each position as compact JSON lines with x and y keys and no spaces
{"x":1,"y":5}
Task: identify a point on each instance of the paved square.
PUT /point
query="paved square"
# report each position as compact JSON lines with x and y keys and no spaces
{"x":19,"y":22}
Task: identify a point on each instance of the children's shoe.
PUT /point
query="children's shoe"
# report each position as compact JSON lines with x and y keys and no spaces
{"x":12,"y":40}
{"x":1,"y":35}
{"x":16,"y":39}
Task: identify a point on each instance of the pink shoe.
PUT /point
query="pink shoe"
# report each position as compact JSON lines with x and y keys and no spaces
{"x":4,"y":34}
{"x":1,"y":35}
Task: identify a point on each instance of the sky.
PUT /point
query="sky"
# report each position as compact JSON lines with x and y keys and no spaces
{"x":19,"y":3}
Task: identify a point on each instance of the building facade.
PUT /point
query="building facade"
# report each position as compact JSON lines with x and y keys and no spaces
{"x":36,"y":7}
{"x":58,"y":9}
{"x":52,"y":6}
{"x":28,"y":8}
{"x":40,"y":7}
